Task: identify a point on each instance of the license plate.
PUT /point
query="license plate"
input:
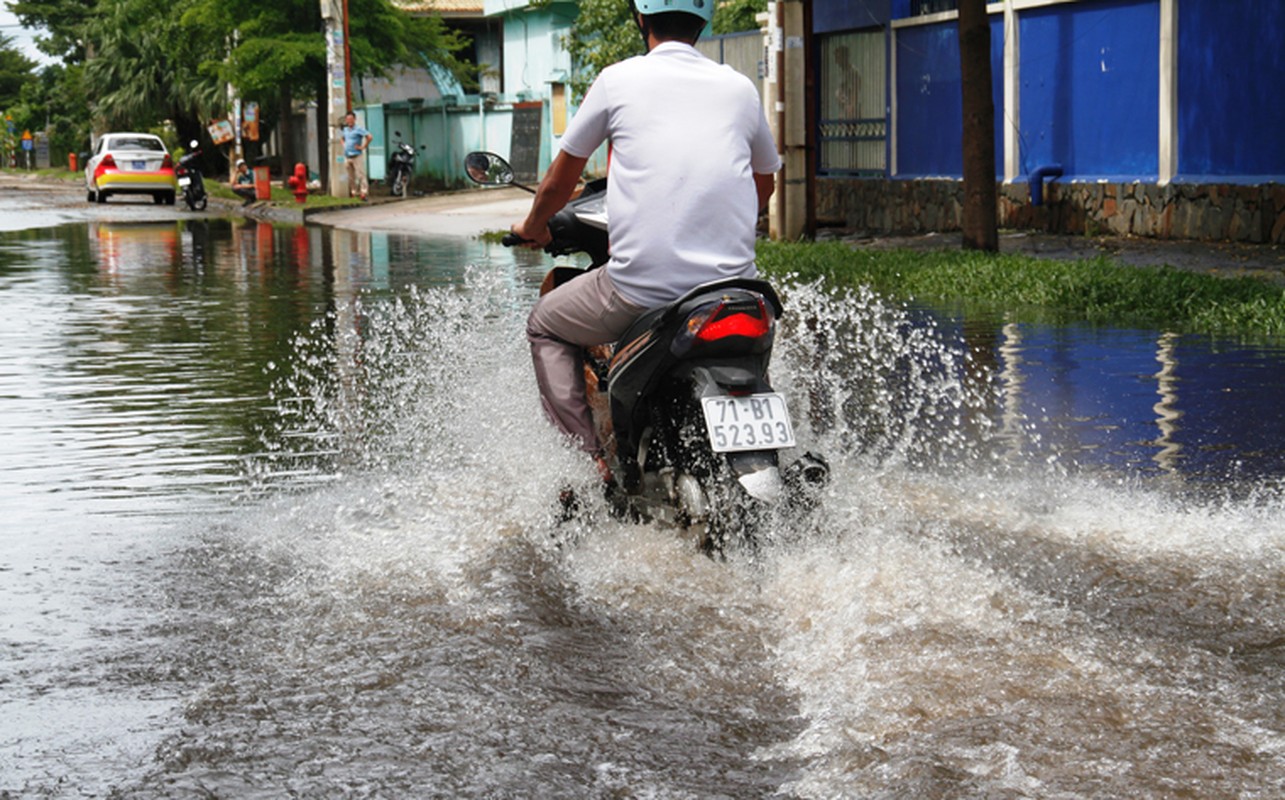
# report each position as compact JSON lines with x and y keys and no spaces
{"x":184,"y":182}
{"x":752,"y":422}
{"x":140,"y":165}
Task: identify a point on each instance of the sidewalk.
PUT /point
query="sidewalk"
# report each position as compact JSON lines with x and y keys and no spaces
{"x":466,"y":213}
{"x":477,"y":211}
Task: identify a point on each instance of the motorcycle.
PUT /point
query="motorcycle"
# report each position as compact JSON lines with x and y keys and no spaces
{"x":190,"y":181}
{"x":401,"y":166}
{"x":692,"y":426}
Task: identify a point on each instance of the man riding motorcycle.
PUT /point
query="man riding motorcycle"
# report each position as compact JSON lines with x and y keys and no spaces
{"x":692,"y":163}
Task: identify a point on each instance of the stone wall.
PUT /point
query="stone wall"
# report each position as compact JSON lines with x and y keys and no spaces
{"x":1205,"y":212}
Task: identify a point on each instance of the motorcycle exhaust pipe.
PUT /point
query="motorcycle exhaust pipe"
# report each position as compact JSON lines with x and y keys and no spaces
{"x":809,"y":470}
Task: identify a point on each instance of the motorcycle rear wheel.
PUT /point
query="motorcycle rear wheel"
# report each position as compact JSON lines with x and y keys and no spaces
{"x":713,"y":498}
{"x":734,"y":520}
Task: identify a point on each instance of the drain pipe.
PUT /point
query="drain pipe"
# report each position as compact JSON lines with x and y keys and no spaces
{"x":1036,"y":179}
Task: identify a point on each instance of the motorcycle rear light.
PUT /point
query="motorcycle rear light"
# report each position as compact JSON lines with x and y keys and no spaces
{"x":750,"y":326}
{"x":722,"y":320}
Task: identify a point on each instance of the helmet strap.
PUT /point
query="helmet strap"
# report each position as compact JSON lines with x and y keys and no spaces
{"x":644,"y":29}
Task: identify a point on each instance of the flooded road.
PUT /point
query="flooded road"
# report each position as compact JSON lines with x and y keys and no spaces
{"x":278,"y":522}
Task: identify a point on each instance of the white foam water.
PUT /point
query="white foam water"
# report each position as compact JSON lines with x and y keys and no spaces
{"x":949,"y":623}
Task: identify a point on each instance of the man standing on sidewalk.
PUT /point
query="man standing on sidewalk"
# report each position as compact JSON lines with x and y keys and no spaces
{"x":356,"y":140}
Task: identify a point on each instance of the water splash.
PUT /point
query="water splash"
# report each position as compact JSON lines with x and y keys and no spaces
{"x":434,"y":382}
{"x":876,"y":383}
{"x":951,"y":622}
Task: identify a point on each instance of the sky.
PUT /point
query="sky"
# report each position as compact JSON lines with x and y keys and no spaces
{"x":23,"y":38}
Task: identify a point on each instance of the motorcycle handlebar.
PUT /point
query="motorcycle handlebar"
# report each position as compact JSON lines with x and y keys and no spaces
{"x":553,"y":248}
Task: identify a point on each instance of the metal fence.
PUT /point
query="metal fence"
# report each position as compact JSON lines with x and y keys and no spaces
{"x":743,"y":52}
{"x":852,"y":125}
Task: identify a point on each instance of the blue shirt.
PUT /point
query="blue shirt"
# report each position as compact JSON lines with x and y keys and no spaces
{"x":353,"y":137}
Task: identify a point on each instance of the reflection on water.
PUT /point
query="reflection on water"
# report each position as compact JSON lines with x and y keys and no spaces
{"x":277,"y":522}
{"x":1087,"y":397}
{"x":1167,"y":409}
{"x":140,"y":357}
{"x":1012,"y":419}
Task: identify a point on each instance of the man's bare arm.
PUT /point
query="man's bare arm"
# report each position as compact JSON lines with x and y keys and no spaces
{"x":764,"y":184}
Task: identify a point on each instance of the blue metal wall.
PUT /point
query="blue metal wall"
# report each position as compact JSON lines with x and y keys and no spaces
{"x":929,"y":105}
{"x":1090,"y":89}
{"x":1231,"y":78}
{"x":929,"y":109}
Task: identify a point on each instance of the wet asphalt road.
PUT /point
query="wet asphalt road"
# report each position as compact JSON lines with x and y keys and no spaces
{"x":31,"y":202}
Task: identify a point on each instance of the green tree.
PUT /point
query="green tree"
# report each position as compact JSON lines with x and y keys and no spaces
{"x":604,"y":32}
{"x":153,"y":60}
{"x":15,"y":70}
{"x":54,"y":101}
{"x":734,"y":16}
{"x":65,"y":22}
{"x":141,"y":73}
{"x":275,"y":52}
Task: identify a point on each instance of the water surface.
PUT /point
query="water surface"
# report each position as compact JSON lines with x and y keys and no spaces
{"x":278,"y":522}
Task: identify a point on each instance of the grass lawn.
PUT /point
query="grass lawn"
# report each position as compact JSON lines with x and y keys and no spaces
{"x":1026,"y":287}
{"x":281,"y":197}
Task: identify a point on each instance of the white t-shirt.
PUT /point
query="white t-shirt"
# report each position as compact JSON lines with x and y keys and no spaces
{"x":687,"y":136}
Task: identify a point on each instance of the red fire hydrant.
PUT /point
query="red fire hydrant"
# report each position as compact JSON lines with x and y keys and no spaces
{"x":298,"y":183}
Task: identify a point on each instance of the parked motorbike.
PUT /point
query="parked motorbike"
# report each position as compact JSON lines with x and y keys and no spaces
{"x":401,"y":166}
{"x":190,"y":180}
{"x":692,"y":426}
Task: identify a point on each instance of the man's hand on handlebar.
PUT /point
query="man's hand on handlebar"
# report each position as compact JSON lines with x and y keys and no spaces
{"x":535,"y":239}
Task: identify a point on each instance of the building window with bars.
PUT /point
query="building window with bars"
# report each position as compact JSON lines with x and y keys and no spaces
{"x":853,"y":125}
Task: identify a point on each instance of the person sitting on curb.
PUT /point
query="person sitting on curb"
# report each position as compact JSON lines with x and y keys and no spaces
{"x":243,"y":182}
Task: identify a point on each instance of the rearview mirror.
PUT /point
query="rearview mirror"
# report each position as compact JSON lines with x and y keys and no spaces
{"x":488,"y":169}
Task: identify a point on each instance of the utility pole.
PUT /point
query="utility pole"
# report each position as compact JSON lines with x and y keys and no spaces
{"x":786,"y":69}
{"x":334,"y":13}
{"x":347,"y":63}
{"x":979,"y":221}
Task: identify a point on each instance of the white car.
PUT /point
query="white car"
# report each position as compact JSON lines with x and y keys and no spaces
{"x":130,"y":163}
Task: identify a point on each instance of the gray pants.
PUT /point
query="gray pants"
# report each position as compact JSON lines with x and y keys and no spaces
{"x":584,"y":311}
